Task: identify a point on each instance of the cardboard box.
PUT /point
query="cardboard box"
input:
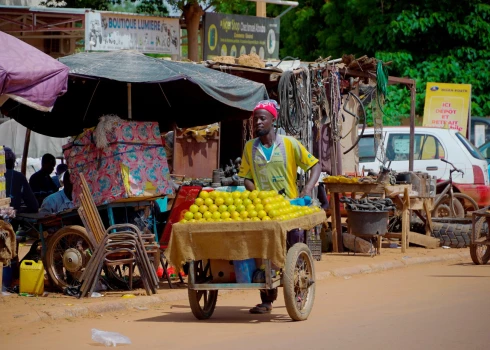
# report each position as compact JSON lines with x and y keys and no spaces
{"x":223,"y":271}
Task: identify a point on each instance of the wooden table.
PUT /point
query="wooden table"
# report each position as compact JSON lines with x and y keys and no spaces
{"x":401,"y":196}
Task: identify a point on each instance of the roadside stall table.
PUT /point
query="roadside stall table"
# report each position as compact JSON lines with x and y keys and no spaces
{"x":198,"y":243}
{"x":398,"y":193}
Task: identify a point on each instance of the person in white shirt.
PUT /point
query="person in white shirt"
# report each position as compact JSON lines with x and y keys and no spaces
{"x":61,"y":200}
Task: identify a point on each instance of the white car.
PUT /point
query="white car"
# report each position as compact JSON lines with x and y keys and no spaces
{"x":431,"y":145}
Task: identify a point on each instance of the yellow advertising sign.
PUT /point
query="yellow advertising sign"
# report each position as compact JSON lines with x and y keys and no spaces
{"x":447,"y":106}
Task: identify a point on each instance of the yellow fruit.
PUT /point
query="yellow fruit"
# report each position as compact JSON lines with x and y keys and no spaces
{"x":257,"y":201}
{"x":231,"y":208}
{"x":219,"y":201}
{"x":244,"y":214}
{"x":250,"y":207}
{"x":210,"y":220}
{"x":236,"y":195}
{"x":255,"y":218}
{"x":203,"y":208}
{"x":274,"y":213}
{"x":263,"y":194}
{"x":197,"y":216}
{"x":207,"y":215}
{"x":202,"y":220}
{"x":261,"y":214}
{"x":229,"y":201}
{"x":234,"y":215}
{"x":216,"y":215}
{"x":240,"y":208}
{"x":245,"y":194}
{"x":225,"y":215}
{"x":192,"y":221}
{"x":268,"y":207}
{"x":252,"y":213}
{"x":259,"y":207}
{"x":238,"y":201}
{"x":212,"y":208}
{"x":183,"y":221}
{"x":188,"y":216}
{"x":228,"y":219}
{"x":266,"y":218}
{"x":222,"y":208}
{"x":193,"y":208}
{"x":204,"y":194}
{"x":207,"y":201}
{"x":213,"y":194}
{"x":253,"y":195}
{"x":267,"y":200}
{"x":199,"y":202}
{"x":247,"y":202}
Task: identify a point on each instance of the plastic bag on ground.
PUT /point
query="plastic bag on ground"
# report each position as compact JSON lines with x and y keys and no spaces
{"x":109,"y":338}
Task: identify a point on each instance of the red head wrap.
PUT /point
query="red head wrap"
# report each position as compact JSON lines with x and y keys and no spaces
{"x":268,"y":105}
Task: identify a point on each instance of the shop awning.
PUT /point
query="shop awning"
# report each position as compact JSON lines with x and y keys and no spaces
{"x":132,"y":85}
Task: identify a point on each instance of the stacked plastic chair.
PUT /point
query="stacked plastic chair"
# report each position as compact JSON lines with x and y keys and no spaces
{"x":126,"y":245}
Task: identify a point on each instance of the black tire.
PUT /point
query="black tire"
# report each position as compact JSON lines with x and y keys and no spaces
{"x":208,"y":297}
{"x":72,"y":238}
{"x":299,"y":282}
{"x":480,"y":254}
{"x":454,"y":233}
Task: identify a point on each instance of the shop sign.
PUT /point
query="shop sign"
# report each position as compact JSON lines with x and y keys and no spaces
{"x":448,"y":106}
{"x":110,"y":31}
{"x":232,"y":35}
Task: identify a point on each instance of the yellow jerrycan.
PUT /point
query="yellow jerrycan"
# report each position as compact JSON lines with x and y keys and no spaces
{"x":31,"y":277}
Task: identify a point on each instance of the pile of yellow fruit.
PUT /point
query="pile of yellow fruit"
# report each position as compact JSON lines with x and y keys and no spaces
{"x":256,"y":205}
{"x":341,"y":179}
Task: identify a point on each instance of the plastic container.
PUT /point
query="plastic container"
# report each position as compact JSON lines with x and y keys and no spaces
{"x":6,"y":277}
{"x":31,"y":277}
{"x":244,"y":270}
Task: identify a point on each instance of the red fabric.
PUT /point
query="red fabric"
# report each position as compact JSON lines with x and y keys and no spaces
{"x":268,"y":106}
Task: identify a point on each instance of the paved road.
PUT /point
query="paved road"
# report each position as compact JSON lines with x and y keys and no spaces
{"x":424,"y":307}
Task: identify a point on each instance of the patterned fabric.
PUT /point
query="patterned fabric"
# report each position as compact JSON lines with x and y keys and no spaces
{"x":280,"y":171}
{"x":269,"y":105}
{"x":133,"y":165}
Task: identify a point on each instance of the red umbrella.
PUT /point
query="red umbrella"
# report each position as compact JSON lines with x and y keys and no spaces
{"x":28,"y":75}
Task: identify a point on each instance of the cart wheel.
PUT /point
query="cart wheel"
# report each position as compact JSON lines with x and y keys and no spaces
{"x":67,"y":255}
{"x":299,"y":282}
{"x":202,"y":302}
{"x":480,"y":253}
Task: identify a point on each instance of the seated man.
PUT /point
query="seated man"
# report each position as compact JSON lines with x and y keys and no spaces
{"x":61,"y":200}
{"x":41,"y":182}
{"x":17,"y":187}
{"x":60,"y":169}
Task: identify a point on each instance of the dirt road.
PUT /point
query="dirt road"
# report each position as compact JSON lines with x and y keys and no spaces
{"x":437,"y":306}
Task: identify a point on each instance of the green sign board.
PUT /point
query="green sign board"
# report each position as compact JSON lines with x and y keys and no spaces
{"x":232,"y":35}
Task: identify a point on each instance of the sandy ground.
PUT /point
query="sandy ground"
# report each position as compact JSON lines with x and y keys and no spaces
{"x":25,"y":309}
{"x":436,"y":306}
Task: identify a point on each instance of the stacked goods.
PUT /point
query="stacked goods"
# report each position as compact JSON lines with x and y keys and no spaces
{"x":252,"y":60}
{"x":130,"y":161}
{"x":348,"y":180}
{"x":256,"y":205}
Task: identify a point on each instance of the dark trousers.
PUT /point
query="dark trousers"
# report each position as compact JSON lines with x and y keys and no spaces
{"x":293,"y":237}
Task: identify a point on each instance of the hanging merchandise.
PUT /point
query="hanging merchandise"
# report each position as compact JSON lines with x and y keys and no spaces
{"x":294,"y":99}
{"x":377,"y":110}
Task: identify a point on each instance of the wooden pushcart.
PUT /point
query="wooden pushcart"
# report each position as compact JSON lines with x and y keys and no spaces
{"x":198,"y":243}
{"x":480,"y":236}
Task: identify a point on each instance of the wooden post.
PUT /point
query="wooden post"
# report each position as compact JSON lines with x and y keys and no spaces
{"x":405,"y":219}
{"x":412,"y":125}
{"x":27,"y":141}
{"x":260,"y":9}
{"x":335,"y":246}
{"x":428,"y":215}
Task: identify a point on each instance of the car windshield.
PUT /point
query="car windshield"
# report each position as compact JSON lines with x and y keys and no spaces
{"x":469,"y":146}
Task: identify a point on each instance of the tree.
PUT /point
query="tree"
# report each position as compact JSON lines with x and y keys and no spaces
{"x":428,"y":40}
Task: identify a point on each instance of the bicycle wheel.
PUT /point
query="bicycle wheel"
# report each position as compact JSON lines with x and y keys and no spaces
{"x":480,"y":253}
{"x":442,"y":210}
{"x":468,"y":203}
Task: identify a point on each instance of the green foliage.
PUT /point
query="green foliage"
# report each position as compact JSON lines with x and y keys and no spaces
{"x":443,"y":41}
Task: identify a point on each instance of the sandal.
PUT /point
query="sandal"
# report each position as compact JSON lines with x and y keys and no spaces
{"x":261,"y":309}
